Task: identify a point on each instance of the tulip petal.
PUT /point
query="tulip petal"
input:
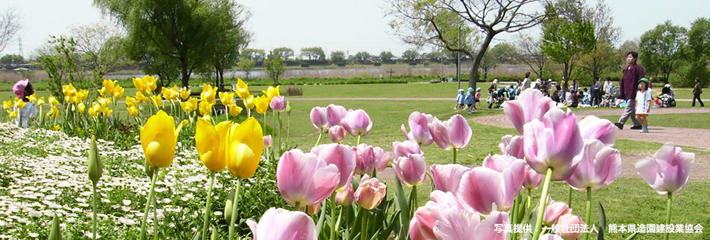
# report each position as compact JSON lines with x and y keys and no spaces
{"x":448,"y":177}
{"x":487,"y":228}
{"x":459,"y":131}
{"x":480,"y":189}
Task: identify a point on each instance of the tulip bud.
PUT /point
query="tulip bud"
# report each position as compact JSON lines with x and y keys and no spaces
{"x":56,"y":232}
{"x":370,"y":192}
{"x":96,"y":167}
{"x":268,"y":141}
{"x":214,"y":233}
{"x":288,"y":108}
{"x":336,"y":133}
{"x":345,"y":197}
{"x":553,"y":211}
{"x":278,"y":104}
{"x":228,"y":207}
{"x":570,"y":227}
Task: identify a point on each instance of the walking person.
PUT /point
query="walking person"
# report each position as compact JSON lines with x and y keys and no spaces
{"x":628,"y":86}
{"x":697,"y":90}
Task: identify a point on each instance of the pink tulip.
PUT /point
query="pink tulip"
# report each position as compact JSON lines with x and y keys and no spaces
{"x":278,"y":104}
{"x":370,"y":192}
{"x":345,"y":197}
{"x":570,"y":227}
{"x":268,"y":141}
{"x":532,"y":179}
{"x":553,"y":211}
{"x":598,"y":166}
{"x":357,"y":123}
{"x":411,"y":170}
{"x":335,"y":114}
{"x":454,"y":133}
{"x":336,"y":133}
{"x":279,"y":224}
{"x":512,"y":146}
{"x":382,"y":158}
{"x":550,"y":236}
{"x":486,"y":190}
{"x":419,"y":126}
{"x":365,"y":161}
{"x":305,"y":178}
{"x":553,"y":143}
{"x":447,"y":177}
{"x":310,"y":209}
{"x":592,"y":127}
{"x":342,"y":157}
{"x":319,"y":118}
{"x":529,"y":105}
{"x":402,"y":149}
{"x":439,"y":219}
{"x":669,"y":169}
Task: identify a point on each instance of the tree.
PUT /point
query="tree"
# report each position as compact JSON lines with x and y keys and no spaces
{"x":170,"y":33}
{"x":362,"y":56}
{"x":97,"y":42}
{"x":62,"y":62}
{"x":410,"y":54}
{"x":566,"y":34}
{"x":285,"y":52}
{"x":530,"y":53}
{"x":246,"y":65}
{"x":662,"y":47}
{"x":697,"y":53}
{"x":503,"y":53}
{"x":9,"y":61}
{"x":337,"y":56}
{"x":313,"y":53}
{"x":9,"y":26}
{"x":386,"y":56}
{"x":603,"y":56}
{"x":274,"y":67}
{"x":440,"y":22}
{"x":254,"y":54}
{"x":488,"y":62}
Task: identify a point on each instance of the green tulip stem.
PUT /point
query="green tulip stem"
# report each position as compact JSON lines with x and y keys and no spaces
{"x":332,"y":216}
{"x":569,"y":197}
{"x":363,"y":233}
{"x":248,"y":111}
{"x":264,"y":125}
{"x":235,"y":203}
{"x":278,"y":149}
{"x":454,"y":155}
{"x":147,"y":204}
{"x":543,"y":203}
{"x":288,"y":126}
{"x":527,"y":205}
{"x":513,"y":216}
{"x":320,"y":134}
{"x":94,"y":209}
{"x":208,"y":207}
{"x":668,"y":213}
{"x":358,"y":140}
{"x":155,"y":217}
{"x":414,"y":200}
{"x":588,"y":210}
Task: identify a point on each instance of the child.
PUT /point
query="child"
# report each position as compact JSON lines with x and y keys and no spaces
{"x":477,"y":98}
{"x":643,"y":104}
{"x":23,"y":89}
{"x":459,"y":100}
{"x":468,"y":100}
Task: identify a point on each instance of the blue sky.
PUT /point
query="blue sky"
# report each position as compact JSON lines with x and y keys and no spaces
{"x":345,"y":25}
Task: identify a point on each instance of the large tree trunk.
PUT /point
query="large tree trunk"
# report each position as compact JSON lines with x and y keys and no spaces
{"x":185,"y":74}
{"x":473,"y":76}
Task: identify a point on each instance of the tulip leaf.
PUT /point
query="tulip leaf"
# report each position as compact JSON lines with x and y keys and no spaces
{"x":321,"y":218}
{"x":632,"y":236}
{"x":602,"y":222}
{"x":403,"y":207}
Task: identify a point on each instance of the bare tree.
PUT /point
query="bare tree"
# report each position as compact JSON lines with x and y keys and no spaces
{"x":9,"y":26}
{"x":95,"y":42}
{"x":438,"y":22}
{"x":530,"y":53}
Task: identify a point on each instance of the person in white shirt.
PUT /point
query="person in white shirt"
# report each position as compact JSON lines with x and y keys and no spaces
{"x":644,"y":99}
{"x":608,"y":85}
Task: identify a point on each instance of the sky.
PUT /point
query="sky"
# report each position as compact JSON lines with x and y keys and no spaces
{"x":335,"y":25}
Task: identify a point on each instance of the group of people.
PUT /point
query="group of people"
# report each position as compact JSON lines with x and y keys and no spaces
{"x":469,"y":100}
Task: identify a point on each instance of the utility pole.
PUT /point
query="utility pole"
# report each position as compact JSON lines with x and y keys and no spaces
{"x":458,"y":60}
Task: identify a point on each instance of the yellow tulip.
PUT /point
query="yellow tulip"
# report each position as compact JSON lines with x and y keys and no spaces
{"x":13,"y":114}
{"x":210,"y":142}
{"x":175,"y":93}
{"x":184,"y":93}
{"x":53,"y":101}
{"x":131,"y":101}
{"x":141,"y":98}
{"x":150,"y":83}
{"x":272,"y":92}
{"x":140,"y":84}
{"x":157,"y":101}
{"x":132,"y":110}
{"x":109,"y":86}
{"x":208,"y":93}
{"x":104,"y":101}
{"x":118,"y":92}
{"x":226,"y":98}
{"x":234,"y":110}
{"x":158,"y":139}
{"x":205,"y":108}
{"x":54,"y":112}
{"x":262,"y":104}
{"x":249,"y":102}
{"x":189,"y":105}
{"x":57,"y":127}
{"x":40,"y":101}
{"x":245,"y":143}
{"x":32,"y":98}
{"x":242,"y":89}
{"x":106,"y":111}
{"x":19,"y":104}
{"x":81,"y":107}
{"x":7,"y":105}
{"x":68,"y":90}
{"x":94,"y":109}
{"x":82,"y":95}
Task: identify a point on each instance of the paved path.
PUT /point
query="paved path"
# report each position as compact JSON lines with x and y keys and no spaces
{"x":392,"y":99}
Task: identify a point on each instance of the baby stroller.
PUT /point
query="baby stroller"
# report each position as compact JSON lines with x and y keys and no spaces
{"x":609,"y":99}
